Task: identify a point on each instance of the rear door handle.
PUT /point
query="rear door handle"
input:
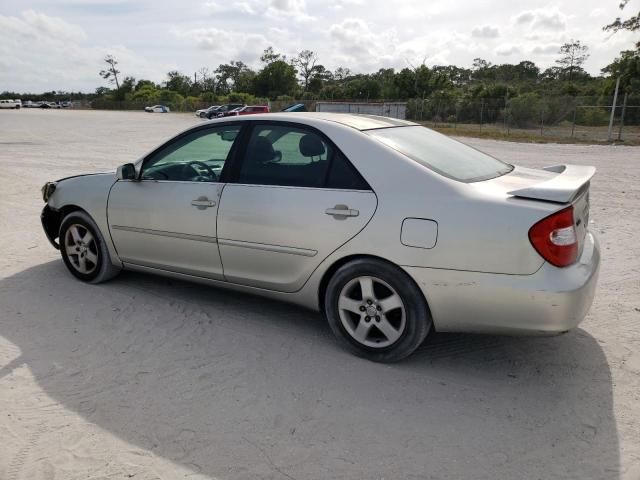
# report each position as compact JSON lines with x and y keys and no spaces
{"x":202,"y":203}
{"x":341,"y":211}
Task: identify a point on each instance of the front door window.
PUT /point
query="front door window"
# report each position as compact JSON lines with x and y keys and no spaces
{"x":198,"y":157}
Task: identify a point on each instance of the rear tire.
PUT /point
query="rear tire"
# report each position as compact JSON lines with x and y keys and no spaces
{"x":376,"y":310}
{"x":84,"y":250}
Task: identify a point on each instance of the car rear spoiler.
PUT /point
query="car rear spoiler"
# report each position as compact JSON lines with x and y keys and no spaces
{"x":570,"y":182}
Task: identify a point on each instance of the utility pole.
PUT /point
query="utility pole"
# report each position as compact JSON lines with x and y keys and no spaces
{"x":624,"y":107}
{"x":613,"y":109}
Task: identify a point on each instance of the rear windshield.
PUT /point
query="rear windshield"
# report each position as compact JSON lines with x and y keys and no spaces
{"x":441,"y":154}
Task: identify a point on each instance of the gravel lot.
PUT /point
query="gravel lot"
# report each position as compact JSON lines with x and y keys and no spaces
{"x":151,"y":378}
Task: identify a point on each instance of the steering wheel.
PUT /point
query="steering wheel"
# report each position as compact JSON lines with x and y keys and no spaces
{"x":210,"y":172}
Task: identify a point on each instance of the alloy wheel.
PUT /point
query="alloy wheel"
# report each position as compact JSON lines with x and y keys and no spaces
{"x":81,"y":249}
{"x":372,"y":312}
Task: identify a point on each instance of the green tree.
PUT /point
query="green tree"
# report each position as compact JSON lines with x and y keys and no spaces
{"x":627,"y":68}
{"x":320,"y":76}
{"x":527,"y":71}
{"x":144,"y":83}
{"x":405,"y":81}
{"x":363,"y":87}
{"x":459,"y":77}
{"x":631,"y":24}
{"x":386,"y":78}
{"x":178,"y":82}
{"x":111,"y":72}
{"x":126,"y":87}
{"x":341,"y":74}
{"x":270,"y":56}
{"x":572,"y":55}
{"x":306,"y":63}
{"x":275,"y":79}
{"x":480,"y":69}
{"x":235,"y":76}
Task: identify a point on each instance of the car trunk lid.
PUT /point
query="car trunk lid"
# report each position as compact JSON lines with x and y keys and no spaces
{"x":558,"y":187}
{"x":564,"y":184}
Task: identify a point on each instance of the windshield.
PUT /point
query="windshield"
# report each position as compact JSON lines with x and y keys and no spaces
{"x":441,"y":154}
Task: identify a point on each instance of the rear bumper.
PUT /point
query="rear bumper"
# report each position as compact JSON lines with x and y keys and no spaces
{"x":552,"y":300}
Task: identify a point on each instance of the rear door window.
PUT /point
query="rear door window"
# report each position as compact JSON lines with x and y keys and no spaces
{"x":287,"y":155}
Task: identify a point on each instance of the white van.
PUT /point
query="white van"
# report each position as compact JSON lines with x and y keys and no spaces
{"x":10,"y":104}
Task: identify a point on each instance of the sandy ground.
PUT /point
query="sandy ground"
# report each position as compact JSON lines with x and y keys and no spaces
{"x":149,"y":378}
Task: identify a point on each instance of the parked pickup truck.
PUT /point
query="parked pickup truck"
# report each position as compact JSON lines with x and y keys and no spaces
{"x":14,"y":104}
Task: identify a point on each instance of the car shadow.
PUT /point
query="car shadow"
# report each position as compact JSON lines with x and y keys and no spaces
{"x":235,"y":386}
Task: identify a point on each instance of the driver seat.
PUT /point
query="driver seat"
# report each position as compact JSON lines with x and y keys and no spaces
{"x":256,"y":167}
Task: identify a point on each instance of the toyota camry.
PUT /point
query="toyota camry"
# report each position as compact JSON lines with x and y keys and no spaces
{"x":390,"y":229}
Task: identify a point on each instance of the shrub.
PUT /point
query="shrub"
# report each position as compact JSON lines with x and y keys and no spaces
{"x":592,"y":117}
{"x":524,"y":110}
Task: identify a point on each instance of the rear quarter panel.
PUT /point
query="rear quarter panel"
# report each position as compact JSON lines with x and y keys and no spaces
{"x":478,"y":230}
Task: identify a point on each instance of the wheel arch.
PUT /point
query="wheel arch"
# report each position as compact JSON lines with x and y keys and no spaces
{"x":328,"y":274}
{"x":52,"y":219}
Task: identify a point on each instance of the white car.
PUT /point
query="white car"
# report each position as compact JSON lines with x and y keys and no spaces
{"x":157,"y":109}
{"x":13,"y":104}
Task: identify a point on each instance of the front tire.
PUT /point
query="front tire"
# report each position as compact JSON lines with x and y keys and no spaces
{"x":376,"y":310}
{"x":84,"y":250}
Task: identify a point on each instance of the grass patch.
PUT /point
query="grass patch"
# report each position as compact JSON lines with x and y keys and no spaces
{"x":553,"y":134}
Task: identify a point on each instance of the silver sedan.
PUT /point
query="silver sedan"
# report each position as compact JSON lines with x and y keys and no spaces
{"x":390,"y":229}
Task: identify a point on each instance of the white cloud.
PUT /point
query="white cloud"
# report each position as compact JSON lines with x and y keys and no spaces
{"x":597,"y":13}
{"x":359,"y":47}
{"x":542,"y":18}
{"x":548,"y":49}
{"x":486,"y":31}
{"x":40,"y":53}
{"x":206,"y":38}
{"x":36,"y":25}
{"x":276,"y":10}
{"x":508,"y":50}
{"x":223,"y":45}
{"x":524,"y":17}
{"x":217,"y":6}
{"x":61,"y":43}
{"x":341,"y":4}
{"x":353,"y":35}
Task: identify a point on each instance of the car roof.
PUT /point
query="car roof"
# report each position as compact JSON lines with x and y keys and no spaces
{"x":357,"y":121}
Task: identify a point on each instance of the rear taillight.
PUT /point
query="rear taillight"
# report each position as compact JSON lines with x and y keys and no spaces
{"x":555,"y":238}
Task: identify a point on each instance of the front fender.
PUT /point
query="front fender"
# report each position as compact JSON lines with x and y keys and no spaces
{"x":89,"y":193}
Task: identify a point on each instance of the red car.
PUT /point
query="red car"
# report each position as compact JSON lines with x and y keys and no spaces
{"x":248,"y":110}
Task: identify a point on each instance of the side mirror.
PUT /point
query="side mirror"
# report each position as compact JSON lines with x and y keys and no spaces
{"x":126,"y":172}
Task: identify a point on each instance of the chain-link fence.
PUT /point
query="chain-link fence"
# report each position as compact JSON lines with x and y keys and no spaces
{"x":527,"y":117}
{"x":532,"y":117}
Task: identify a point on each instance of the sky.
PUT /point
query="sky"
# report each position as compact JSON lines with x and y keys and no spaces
{"x":59,"y":45}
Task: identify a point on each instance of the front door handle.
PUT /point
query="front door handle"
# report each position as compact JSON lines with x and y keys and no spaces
{"x":340,"y":212}
{"x":203,"y":202}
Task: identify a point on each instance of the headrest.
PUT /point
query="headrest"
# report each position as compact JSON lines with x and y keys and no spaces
{"x":311,"y":145}
{"x":260,"y":150}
